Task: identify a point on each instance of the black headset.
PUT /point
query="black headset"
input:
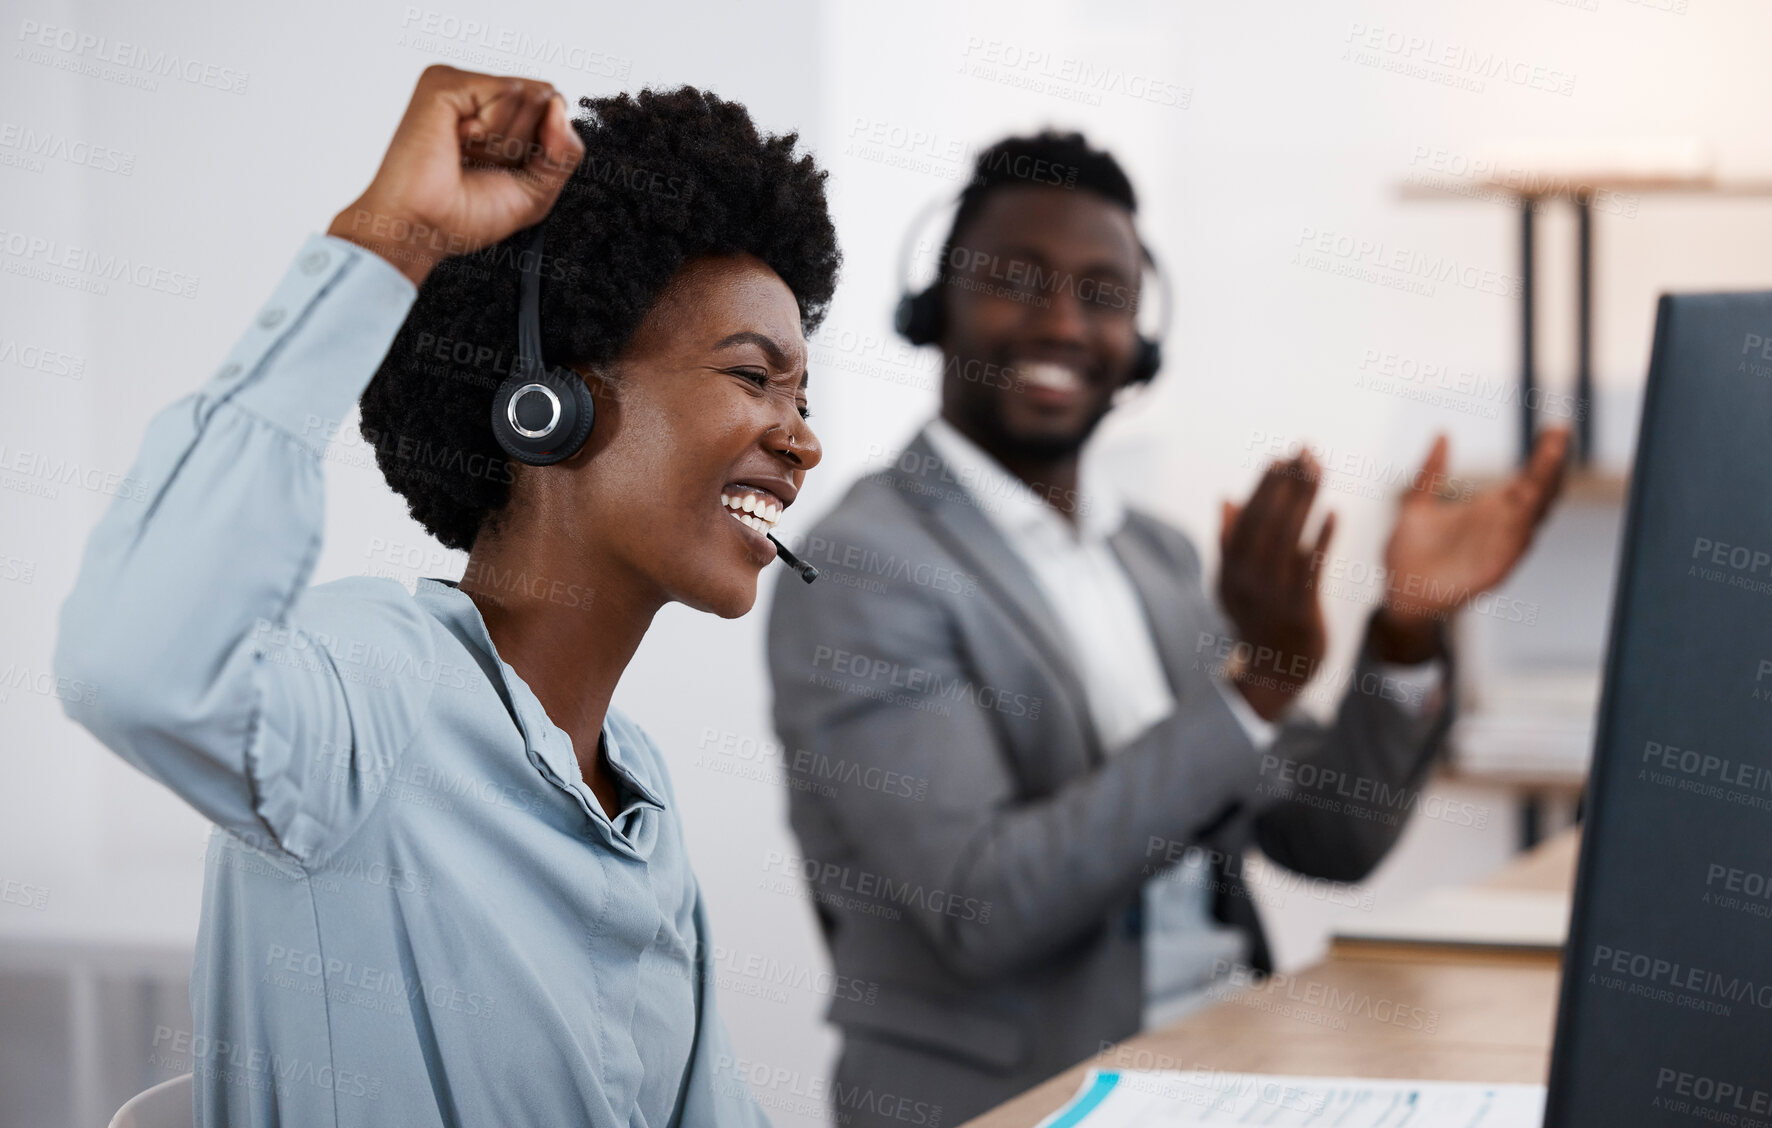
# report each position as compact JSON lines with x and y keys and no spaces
{"x":920,"y":316}
{"x":541,"y":415}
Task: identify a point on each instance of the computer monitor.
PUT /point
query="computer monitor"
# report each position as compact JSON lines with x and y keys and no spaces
{"x":1666,"y":1009}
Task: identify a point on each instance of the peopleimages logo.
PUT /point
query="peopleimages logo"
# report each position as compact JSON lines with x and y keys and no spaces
{"x":94,"y":268}
{"x":788,"y":1090}
{"x":31,"y":146}
{"x":1403,"y":268}
{"x":1322,"y":1004}
{"x":1731,"y":1095}
{"x":280,"y":641}
{"x":1732,"y":887}
{"x":831,"y":879}
{"x":84,"y":52}
{"x":375,"y":988}
{"x":434,"y":29}
{"x":925,"y":683}
{"x":1301,"y":781}
{"x":1664,"y":980}
{"x":1705,"y":766}
{"x":257,"y":1068}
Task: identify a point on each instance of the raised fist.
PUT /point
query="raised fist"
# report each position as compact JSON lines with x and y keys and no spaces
{"x":476,"y":157}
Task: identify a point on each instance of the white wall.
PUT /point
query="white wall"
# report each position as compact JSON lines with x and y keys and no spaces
{"x":1279,"y":132}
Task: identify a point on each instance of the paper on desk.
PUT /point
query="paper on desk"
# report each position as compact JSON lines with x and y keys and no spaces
{"x":1133,"y":1099}
{"x":1472,"y":916}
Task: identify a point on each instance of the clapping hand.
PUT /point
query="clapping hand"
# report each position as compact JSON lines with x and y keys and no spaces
{"x":1443,"y":552}
{"x":1265,"y":583}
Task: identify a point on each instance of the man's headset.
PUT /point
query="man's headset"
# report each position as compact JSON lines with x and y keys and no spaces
{"x":541,"y":414}
{"x":920,"y":316}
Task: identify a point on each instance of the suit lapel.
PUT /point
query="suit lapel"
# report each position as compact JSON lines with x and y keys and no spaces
{"x":954,"y":517}
{"x":1173,"y":619}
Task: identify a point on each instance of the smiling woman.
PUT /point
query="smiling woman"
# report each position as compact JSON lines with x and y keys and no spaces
{"x":541,"y":957}
{"x":667,"y":177}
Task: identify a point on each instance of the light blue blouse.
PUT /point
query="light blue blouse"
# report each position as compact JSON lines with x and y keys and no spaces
{"x":414,"y":910}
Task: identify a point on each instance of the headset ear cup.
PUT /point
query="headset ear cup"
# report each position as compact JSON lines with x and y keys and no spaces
{"x":1145,"y":364}
{"x":918,"y":316}
{"x":904,"y":315}
{"x":578,"y":411}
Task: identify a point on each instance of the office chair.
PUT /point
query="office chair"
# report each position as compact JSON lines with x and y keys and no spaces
{"x":166,"y":1105}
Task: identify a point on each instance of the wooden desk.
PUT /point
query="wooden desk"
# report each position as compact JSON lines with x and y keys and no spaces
{"x":1435,"y":1014}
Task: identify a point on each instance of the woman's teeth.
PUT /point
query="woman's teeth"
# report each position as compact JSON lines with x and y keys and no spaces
{"x":760,"y":513}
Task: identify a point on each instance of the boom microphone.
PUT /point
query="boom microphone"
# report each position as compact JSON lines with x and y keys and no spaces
{"x":807,"y":571}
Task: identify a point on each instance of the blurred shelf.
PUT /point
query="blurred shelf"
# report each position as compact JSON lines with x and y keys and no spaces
{"x":1488,"y":189}
{"x":1582,"y":486}
{"x":1531,"y":730}
{"x":1590,"y":174}
{"x":1548,"y":168}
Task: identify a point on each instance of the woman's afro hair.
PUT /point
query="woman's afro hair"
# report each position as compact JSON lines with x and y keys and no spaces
{"x":667,"y":176}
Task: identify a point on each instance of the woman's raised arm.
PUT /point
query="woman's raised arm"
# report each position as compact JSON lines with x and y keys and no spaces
{"x":204,"y":658}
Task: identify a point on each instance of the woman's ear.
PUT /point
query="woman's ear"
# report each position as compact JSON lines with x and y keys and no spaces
{"x":607,"y":381}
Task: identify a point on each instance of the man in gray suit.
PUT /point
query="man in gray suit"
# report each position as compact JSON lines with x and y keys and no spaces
{"x":1028,"y":749}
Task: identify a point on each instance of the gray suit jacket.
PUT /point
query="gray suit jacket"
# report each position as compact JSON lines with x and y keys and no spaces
{"x":975,"y":861}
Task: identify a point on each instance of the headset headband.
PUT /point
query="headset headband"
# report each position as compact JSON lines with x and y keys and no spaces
{"x":566,"y":400}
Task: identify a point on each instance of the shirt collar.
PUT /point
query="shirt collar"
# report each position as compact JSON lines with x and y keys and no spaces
{"x":458,"y":610}
{"x":1011,"y":505}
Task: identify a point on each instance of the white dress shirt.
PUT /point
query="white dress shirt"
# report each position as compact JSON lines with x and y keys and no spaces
{"x":1100,"y":613}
